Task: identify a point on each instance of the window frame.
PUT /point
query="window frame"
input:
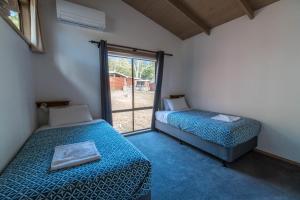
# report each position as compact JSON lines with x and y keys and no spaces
{"x":133,"y":57}
{"x":20,"y":32}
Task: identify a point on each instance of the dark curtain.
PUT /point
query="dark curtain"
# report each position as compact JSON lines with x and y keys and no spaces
{"x":106,"y":113}
{"x":159,"y":76}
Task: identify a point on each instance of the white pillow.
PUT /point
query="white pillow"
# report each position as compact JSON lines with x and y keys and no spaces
{"x":177,"y":104}
{"x":166,"y":105}
{"x":69,"y":115}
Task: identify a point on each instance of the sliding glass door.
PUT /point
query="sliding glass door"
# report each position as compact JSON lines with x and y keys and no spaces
{"x":132,"y":85}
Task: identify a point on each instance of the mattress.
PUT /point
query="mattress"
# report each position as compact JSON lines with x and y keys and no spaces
{"x":199,"y":123}
{"x":122,"y":173}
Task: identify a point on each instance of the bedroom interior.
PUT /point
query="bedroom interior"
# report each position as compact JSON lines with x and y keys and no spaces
{"x":169,"y":99}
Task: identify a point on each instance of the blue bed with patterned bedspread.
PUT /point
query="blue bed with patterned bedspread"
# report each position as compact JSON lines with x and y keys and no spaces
{"x":122,"y":173}
{"x":227,"y":134}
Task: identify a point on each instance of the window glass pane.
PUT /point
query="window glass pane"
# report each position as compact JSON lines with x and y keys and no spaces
{"x":120,"y":76}
{"x":144,"y":83}
{"x":11,"y":12}
{"x":132,"y":85}
{"x":14,"y":18}
{"x":142,"y":119}
{"x":122,"y":122}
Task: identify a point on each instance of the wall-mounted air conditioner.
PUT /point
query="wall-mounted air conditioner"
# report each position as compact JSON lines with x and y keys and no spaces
{"x":80,"y":15}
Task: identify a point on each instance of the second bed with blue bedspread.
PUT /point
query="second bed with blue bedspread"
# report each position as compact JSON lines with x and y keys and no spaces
{"x":227,"y":134}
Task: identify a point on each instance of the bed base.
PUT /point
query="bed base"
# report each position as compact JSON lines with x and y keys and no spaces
{"x":146,"y":197}
{"x":226,"y":154}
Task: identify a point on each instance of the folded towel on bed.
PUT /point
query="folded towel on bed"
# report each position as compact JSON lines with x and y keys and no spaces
{"x":226,"y":118}
{"x":74,"y":154}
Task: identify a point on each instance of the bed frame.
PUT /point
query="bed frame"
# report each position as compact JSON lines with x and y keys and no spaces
{"x":146,"y":197}
{"x":226,"y":154}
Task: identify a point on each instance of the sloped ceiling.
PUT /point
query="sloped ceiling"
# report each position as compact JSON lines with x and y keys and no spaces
{"x":186,"y":18}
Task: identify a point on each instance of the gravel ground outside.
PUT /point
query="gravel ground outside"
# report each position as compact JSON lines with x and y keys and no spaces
{"x":123,"y":121}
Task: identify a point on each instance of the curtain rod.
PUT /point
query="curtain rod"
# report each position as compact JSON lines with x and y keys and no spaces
{"x":127,"y":47}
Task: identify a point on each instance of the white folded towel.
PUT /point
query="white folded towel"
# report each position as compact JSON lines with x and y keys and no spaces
{"x":226,"y":118}
{"x":74,"y":154}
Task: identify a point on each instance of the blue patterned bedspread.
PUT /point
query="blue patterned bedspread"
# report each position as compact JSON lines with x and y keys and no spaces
{"x":122,"y":173}
{"x":227,"y":134}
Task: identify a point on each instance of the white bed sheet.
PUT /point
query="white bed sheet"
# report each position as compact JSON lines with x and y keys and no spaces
{"x":46,"y":127}
{"x":162,"y":116}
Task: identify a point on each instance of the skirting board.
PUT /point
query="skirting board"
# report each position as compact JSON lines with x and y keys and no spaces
{"x":277,"y":157}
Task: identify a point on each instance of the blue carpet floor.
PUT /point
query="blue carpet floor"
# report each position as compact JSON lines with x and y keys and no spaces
{"x":183,"y":172}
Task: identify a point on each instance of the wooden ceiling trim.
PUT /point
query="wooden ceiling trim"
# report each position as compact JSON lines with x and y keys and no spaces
{"x":247,"y":8}
{"x":180,"y":6}
{"x":184,"y":18}
{"x":257,"y":4}
{"x":165,"y":14}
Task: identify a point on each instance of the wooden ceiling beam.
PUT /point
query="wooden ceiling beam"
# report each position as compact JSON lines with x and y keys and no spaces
{"x":180,"y":6}
{"x":247,"y":8}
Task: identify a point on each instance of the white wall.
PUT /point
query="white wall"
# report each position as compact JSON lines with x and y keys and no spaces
{"x":70,"y":68}
{"x":251,"y":68}
{"x":17,"y":108}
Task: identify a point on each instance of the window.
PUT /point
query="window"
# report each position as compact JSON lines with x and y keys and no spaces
{"x":22,"y":16}
{"x":15,"y":19}
{"x":132,"y":87}
{"x":10,"y":9}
